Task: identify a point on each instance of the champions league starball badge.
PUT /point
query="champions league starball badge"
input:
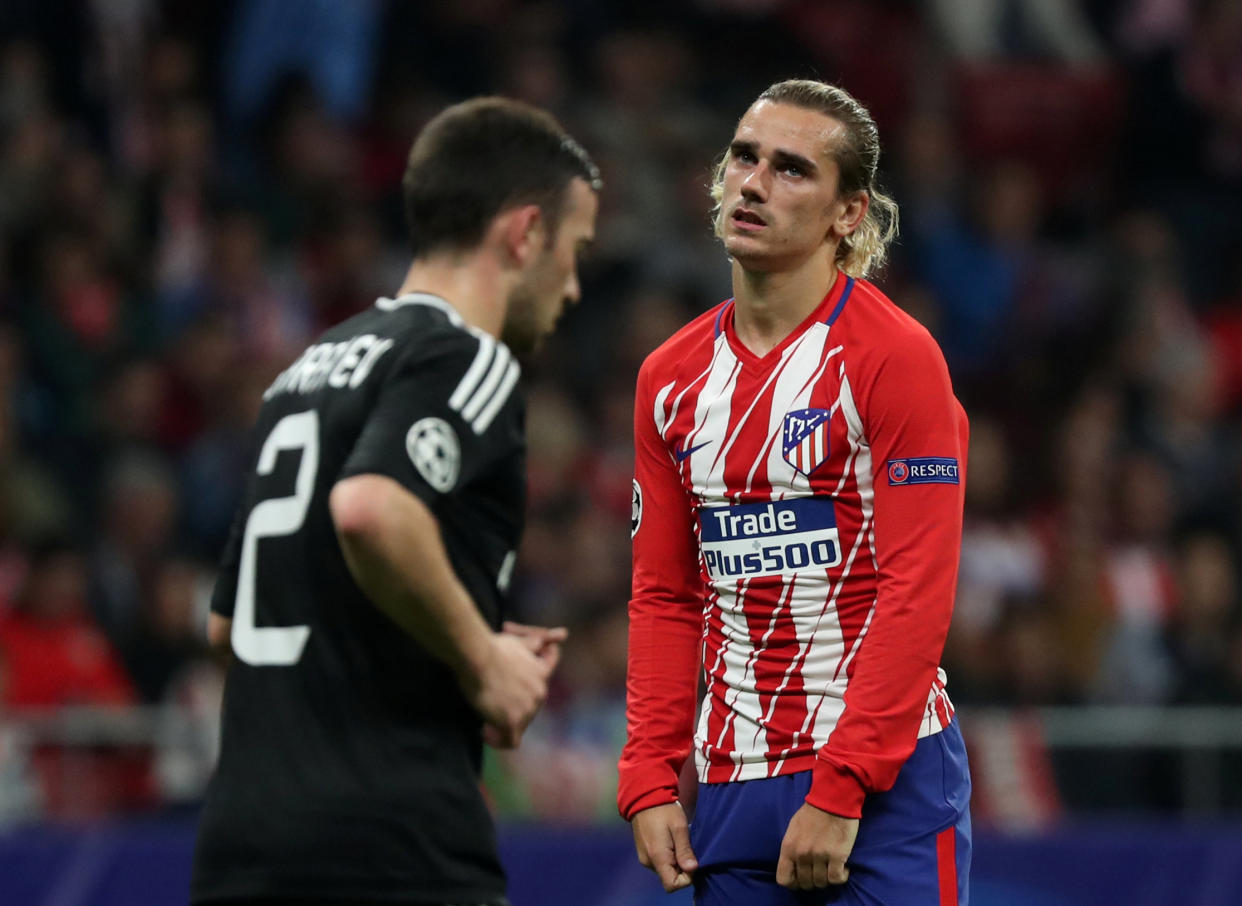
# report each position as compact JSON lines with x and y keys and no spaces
{"x":432,"y":446}
{"x":636,"y":508}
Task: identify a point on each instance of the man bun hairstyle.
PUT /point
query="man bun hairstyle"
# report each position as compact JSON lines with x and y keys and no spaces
{"x":481,"y":157}
{"x":857,"y":155}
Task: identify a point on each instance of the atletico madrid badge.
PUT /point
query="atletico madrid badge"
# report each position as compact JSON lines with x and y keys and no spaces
{"x":805,"y":439}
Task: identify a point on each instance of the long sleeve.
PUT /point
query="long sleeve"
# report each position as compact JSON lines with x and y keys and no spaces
{"x":916,"y":434}
{"x":665,"y":621}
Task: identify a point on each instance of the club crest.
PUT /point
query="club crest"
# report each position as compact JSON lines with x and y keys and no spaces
{"x":805,"y":438}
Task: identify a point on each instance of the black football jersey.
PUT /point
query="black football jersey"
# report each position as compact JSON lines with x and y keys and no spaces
{"x":349,"y":763}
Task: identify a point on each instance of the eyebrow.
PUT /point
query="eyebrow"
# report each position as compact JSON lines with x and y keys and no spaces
{"x":780,"y":158}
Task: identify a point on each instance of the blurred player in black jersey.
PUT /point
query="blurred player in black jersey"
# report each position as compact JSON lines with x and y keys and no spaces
{"x":363,"y":589}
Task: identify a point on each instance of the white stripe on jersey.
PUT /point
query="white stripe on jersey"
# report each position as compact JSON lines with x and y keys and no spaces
{"x":659,"y":407}
{"x":470,"y":381}
{"x":500,"y":363}
{"x":712,"y":409}
{"x":741,"y":424}
{"x":672,"y":416}
{"x":489,"y":412}
{"x":487,"y":383}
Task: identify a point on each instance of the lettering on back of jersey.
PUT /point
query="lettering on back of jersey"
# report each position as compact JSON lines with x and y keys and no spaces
{"x":923,"y":470}
{"x":433,"y":448}
{"x":778,"y":538}
{"x":804,"y":441}
{"x":339,"y":365}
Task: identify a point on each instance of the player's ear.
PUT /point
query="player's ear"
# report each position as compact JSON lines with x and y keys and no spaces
{"x":523,"y":232}
{"x":854,"y":209}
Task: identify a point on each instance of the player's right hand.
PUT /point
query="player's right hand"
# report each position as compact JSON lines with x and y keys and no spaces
{"x":508,"y":688}
{"x":662,"y":838}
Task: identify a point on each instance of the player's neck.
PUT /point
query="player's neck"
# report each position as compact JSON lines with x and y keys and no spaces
{"x":471,"y":282}
{"x":771,"y":304}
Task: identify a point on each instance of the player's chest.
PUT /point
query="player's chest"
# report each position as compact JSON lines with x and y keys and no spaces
{"x":745,"y":434}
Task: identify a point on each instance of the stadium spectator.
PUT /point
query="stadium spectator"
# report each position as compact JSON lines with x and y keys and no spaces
{"x":56,"y":654}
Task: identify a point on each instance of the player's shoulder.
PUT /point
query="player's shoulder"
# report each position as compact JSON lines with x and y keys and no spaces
{"x":693,"y":341}
{"x":878,"y":328}
{"x":886,"y":347}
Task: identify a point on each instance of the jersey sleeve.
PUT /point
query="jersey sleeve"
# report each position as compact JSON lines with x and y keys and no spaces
{"x":665,"y":621}
{"x":916,"y":433}
{"x":433,"y":426}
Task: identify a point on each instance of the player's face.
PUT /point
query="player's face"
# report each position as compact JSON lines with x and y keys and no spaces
{"x":780,"y":204}
{"x":551,"y":280}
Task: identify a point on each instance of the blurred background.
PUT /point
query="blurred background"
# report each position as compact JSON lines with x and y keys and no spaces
{"x":190,"y":192}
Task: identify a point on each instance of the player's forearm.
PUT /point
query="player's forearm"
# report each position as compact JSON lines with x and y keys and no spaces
{"x":392,"y":545}
{"x":661,"y":686}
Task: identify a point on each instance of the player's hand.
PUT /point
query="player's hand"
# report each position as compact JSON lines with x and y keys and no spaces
{"x":507,"y":688}
{"x":544,"y":641}
{"x":816,"y":845}
{"x":662,"y":838}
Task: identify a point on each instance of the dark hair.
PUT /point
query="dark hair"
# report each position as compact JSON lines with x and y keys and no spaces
{"x":481,"y":157}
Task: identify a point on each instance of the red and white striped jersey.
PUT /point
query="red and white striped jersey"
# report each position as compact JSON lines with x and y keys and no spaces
{"x":797,"y":523}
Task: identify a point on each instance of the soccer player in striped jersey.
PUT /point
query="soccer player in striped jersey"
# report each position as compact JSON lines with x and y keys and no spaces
{"x":363,"y":591}
{"x":797,"y":519}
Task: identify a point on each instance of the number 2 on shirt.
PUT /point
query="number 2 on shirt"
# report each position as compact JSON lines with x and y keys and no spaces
{"x":275,"y":646}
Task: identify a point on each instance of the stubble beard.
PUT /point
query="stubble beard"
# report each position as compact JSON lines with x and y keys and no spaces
{"x":520,"y":330}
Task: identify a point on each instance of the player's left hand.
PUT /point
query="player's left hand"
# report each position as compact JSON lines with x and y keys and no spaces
{"x":816,"y":846}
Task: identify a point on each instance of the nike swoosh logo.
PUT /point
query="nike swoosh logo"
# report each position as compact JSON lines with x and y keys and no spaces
{"x":682,"y":454}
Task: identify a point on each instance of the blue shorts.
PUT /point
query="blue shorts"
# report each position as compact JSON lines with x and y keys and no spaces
{"x":913,"y":846}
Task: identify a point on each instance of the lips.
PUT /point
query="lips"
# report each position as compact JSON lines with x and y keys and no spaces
{"x":744,"y":221}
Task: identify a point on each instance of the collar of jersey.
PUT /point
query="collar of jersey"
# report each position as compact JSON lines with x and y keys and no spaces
{"x":828,"y":310}
{"x":429,"y":299}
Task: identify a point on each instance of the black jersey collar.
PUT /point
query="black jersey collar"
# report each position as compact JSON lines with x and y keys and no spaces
{"x":428,"y":299}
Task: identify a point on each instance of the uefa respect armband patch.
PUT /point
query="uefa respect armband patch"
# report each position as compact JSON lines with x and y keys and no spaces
{"x":923,"y":470}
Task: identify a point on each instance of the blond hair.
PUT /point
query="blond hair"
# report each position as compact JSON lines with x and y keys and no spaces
{"x":857,"y":157}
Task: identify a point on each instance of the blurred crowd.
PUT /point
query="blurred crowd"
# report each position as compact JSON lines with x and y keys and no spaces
{"x":189,"y":193}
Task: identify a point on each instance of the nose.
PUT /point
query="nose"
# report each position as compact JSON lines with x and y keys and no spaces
{"x":755,"y":185}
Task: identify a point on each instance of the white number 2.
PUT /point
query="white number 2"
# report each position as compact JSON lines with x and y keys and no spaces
{"x":275,"y":646}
